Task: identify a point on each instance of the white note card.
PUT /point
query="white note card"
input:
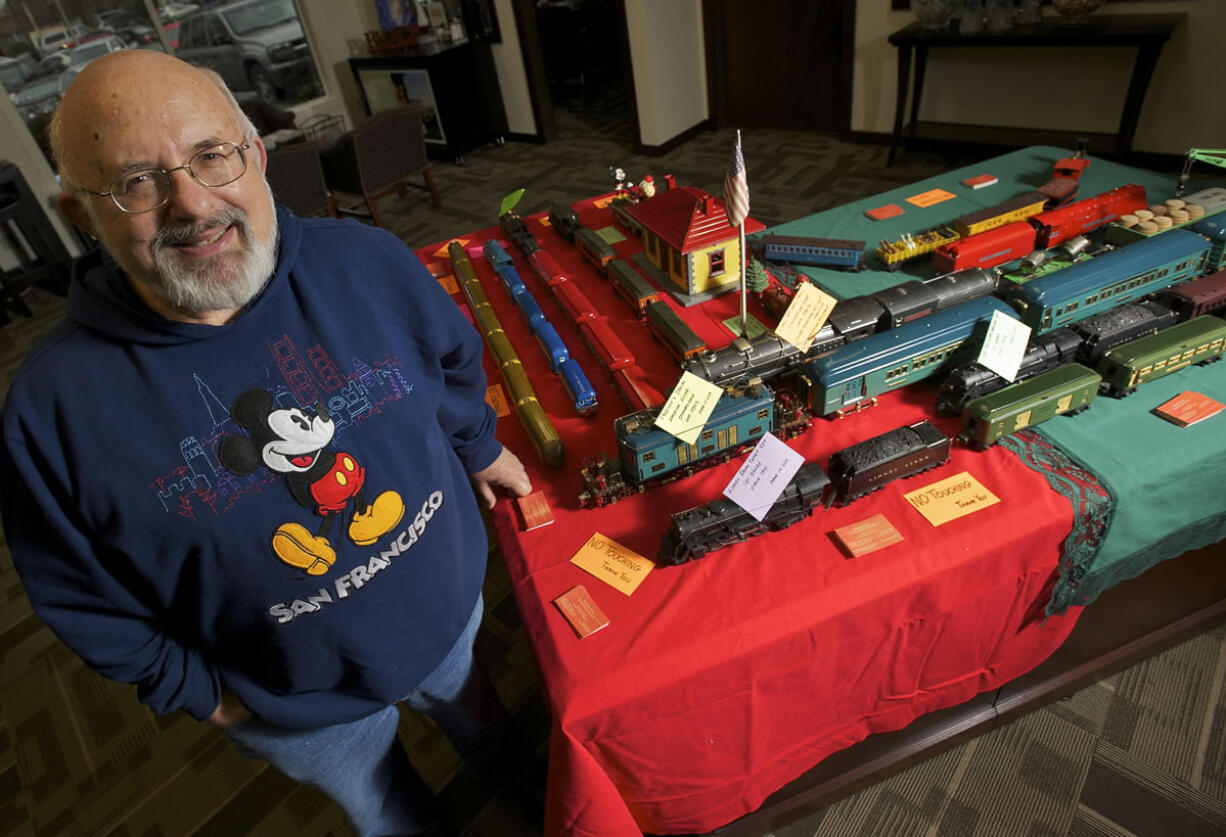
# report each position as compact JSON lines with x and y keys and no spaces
{"x":805,"y":315}
{"x":1004,"y":345}
{"x":688,"y":407}
{"x":768,"y":470}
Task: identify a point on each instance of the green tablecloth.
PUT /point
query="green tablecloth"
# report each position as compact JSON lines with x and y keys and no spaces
{"x":1166,"y":482}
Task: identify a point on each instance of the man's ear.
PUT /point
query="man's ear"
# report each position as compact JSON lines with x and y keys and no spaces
{"x":263,"y":155}
{"x":71,"y":208}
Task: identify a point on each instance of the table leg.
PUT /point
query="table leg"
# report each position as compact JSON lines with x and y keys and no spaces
{"x":921,"y":64}
{"x":900,"y":104}
{"x":1142,"y":72}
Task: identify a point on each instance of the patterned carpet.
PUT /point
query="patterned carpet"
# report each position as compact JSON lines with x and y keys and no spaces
{"x":1141,"y":753}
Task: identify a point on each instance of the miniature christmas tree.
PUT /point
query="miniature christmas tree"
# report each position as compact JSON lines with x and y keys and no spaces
{"x":756,"y":277}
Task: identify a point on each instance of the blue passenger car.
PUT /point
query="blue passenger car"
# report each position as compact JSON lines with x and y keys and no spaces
{"x":646,"y":452}
{"x":867,"y":368}
{"x":823,"y":252}
{"x":1108,"y":280}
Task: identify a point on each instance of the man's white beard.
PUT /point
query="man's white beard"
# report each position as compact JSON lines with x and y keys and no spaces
{"x":218,"y":283}
{"x":222,"y":282}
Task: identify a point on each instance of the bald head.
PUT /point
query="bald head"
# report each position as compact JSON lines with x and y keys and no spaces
{"x":131,"y":92}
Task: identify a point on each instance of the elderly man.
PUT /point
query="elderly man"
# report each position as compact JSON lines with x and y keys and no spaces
{"x":238,"y":474}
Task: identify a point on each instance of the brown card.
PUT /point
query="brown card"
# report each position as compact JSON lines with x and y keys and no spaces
{"x":1187,"y":408}
{"x":535,"y":510}
{"x":890,"y":210}
{"x":865,"y":536}
{"x":581,"y":611}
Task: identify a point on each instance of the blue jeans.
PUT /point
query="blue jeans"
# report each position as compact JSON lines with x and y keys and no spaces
{"x":362,"y":766}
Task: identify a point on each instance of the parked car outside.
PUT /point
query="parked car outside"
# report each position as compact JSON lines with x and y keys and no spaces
{"x":79,"y":56}
{"x":64,"y":38}
{"x":40,"y":96}
{"x":253,"y":44}
{"x":15,"y":72}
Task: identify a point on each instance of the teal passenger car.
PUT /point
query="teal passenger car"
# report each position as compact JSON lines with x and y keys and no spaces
{"x":862,"y":370}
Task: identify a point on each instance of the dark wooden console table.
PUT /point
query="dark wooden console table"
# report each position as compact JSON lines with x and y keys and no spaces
{"x":1145,"y":32}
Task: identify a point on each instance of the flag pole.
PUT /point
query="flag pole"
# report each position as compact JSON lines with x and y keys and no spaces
{"x":741,"y":260}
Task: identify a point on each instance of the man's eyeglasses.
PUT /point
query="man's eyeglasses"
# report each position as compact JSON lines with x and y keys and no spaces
{"x":147,"y":189}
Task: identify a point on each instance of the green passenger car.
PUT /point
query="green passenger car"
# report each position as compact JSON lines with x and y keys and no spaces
{"x":1126,"y":367}
{"x":1065,"y":389}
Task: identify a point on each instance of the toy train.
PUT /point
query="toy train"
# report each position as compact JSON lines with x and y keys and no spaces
{"x":766,"y":356}
{"x":903,"y":452}
{"x":628,"y":378}
{"x":986,"y":243}
{"x":577,"y":386}
{"x":1085,"y":341}
{"x":649,"y":456}
{"x":1065,"y":390}
{"x":1069,"y":389}
{"x":695,"y":532}
{"x":841,"y":372}
{"x":820,"y":252}
{"x":869,"y":465}
{"x":543,"y":435}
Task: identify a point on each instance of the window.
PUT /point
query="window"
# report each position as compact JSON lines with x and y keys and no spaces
{"x":264,"y":56}
{"x":716,"y":263}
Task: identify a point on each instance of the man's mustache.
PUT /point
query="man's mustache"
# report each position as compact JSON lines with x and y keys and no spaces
{"x":169,"y":236}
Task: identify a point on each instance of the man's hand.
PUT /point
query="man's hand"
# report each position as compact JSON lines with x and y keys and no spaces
{"x":229,"y":712}
{"x":506,"y":471}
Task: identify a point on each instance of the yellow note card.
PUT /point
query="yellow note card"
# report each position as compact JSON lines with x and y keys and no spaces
{"x":618,"y":567}
{"x":951,"y":498}
{"x":930,"y":198}
{"x":688,"y":407}
{"x":805,"y":315}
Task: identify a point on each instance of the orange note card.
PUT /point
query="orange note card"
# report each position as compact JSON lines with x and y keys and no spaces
{"x":951,"y":498}
{"x":865,"y":536}
{"x":880,"y":213}
{"x":621,"y":568}
{"x":581,"y":611}
{"x":441,"y":253}
{"x":497,"y":399}
{"x":930,"y":198}
{"x":1187,"y":408}
{"x":449,"y":284}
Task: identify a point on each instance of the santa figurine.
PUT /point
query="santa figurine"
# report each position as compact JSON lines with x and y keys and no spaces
{"x":648,"y":186}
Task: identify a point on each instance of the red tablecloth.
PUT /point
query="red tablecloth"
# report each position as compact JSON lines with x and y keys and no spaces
{"x":721,"y":680}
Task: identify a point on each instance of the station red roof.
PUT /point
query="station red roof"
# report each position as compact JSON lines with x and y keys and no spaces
{"x":688,"y":218}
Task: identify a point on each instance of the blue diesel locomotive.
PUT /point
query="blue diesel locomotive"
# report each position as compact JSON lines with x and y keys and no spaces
{"x":578,"y":387}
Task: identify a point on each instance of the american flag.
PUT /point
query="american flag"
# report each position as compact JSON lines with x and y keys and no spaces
{"x":736,"y":189}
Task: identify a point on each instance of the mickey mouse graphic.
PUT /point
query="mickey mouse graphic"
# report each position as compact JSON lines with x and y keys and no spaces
{"x":292,"y":442}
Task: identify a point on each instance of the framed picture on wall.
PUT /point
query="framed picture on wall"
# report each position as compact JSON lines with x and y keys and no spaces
{"x":387,"y":89}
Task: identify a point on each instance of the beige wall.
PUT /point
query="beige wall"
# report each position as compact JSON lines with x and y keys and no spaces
{"x":1051,"y":87}
{"x":670,"y":71}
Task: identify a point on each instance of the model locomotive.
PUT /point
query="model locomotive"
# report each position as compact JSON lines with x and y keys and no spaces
{"x":695,"y":532}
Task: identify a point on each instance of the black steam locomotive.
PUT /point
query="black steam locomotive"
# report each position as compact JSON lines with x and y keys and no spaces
{"x":720,"y":523}
{"x":767,"y":356}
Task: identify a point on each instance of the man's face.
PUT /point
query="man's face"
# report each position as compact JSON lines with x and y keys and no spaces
{"x":206,"y":249}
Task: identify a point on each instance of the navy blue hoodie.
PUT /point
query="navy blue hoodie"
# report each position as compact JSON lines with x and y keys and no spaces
{"x":180,"y":498}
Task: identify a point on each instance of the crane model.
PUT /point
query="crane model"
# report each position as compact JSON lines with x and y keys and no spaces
{"x":1213,"y":156}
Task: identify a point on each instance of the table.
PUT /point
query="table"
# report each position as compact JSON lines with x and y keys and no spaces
{"x":721,"y":681}
{"x":1147,"y":33}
